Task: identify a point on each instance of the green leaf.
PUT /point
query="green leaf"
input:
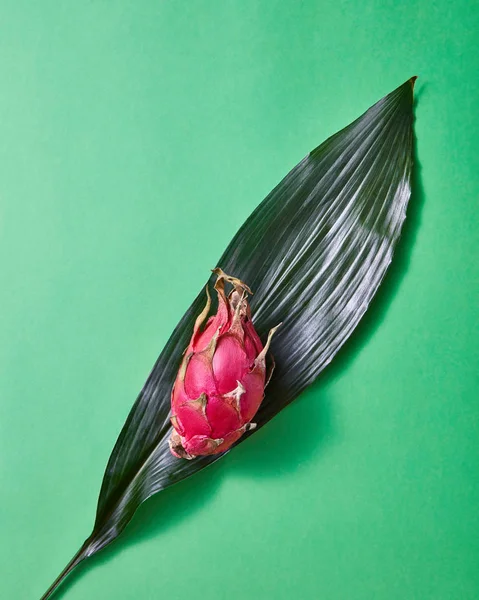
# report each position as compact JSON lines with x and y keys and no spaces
{"x":314,"y":252}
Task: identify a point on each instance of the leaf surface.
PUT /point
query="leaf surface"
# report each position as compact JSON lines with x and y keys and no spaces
{"x":314,"y":252}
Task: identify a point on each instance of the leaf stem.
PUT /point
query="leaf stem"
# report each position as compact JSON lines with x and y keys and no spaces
{"x":76,"y":560}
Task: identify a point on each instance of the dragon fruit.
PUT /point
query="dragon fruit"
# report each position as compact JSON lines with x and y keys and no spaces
{"x":221,"y":380}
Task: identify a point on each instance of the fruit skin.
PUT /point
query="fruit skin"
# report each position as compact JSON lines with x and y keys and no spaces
{"x":221,"y":380}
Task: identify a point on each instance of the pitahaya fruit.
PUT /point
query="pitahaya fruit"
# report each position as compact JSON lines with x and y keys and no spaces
{"x":221,"y":380}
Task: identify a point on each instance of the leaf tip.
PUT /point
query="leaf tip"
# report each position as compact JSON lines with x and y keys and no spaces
{"x":412,"y":81}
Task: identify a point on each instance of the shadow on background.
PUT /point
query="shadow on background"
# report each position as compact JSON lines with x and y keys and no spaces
{"x":275,"y":449}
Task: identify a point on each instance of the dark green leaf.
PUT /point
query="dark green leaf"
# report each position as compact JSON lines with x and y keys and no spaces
{"x":314,"y":252}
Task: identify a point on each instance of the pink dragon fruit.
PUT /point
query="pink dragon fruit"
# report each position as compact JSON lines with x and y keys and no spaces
{"x":221,"y":380}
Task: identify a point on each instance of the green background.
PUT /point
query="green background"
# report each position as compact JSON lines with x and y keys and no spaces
{"x":135,"y":138}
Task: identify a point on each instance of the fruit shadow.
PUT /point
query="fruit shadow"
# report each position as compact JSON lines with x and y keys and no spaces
{"x":293,"y":437}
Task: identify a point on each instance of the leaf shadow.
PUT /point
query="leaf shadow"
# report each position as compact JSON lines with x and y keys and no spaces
{"x":290,"y":440}
{"x":268,"y":454}
{"x":293,"y":437}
